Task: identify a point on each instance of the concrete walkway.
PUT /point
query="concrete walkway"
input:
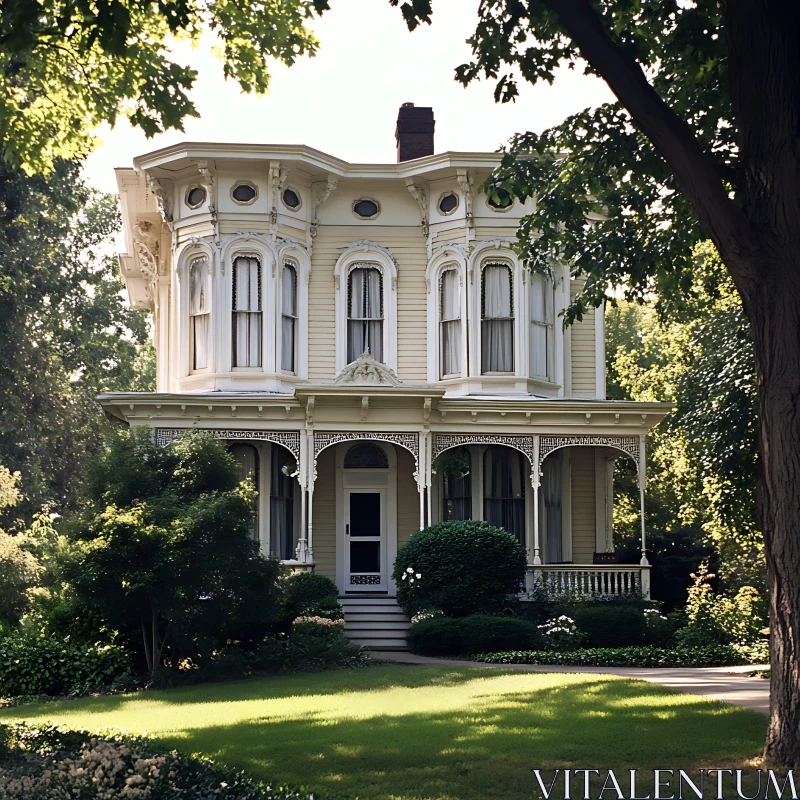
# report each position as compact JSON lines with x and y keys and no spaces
{"x":727,"y":684}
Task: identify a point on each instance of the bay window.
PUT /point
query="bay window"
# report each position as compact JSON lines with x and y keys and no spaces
{"x":247,"y":317}
{"x":541,"y":328}
{"x":497,"y":319}
{"x":364,"y":312}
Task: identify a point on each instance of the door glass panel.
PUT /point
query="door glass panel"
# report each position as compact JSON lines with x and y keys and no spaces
{"x":365,"y":556}
{"x":365,"y":514}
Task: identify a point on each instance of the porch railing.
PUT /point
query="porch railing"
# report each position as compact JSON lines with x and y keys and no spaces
{"x":598,"y":581}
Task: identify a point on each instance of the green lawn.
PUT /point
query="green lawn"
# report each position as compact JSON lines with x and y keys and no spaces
{"x":426,"y":732}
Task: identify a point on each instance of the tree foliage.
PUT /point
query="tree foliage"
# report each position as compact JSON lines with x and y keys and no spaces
{"x":164,"y":553}
{"x":65,"y":331}
{"x":67,"y":65}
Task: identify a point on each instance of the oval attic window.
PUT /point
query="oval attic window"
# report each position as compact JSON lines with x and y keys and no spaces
{"x":366,"y":209}
{"x":504,"y":200}
{"x":448,"y":203}
{"x":291,"y":199}
{"x":244,"y":193}
{"x":195,"y":197}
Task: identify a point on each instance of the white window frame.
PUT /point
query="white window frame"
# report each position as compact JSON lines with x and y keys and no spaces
{"x":548,"y":325}
{"x":298,"y":257}
{"x":178,"y":350}
{"x":261,"y":311}
{"x":513,"y":275}
{"x":366,"y":254}
{"x":447,"y":259}
{"x":192,"y":369}
{"x":287,"y":263}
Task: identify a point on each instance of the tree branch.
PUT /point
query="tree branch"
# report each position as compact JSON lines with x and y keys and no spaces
{"x":723,"y":221}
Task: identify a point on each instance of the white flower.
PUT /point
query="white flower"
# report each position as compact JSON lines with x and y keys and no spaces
{"x":409,"y":569}
{"x":418,"y":575}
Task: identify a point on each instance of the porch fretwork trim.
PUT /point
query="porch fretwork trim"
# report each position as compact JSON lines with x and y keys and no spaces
{"x":446,"y":441}
{"x":288,"y":439}
{"x":630,"y":445}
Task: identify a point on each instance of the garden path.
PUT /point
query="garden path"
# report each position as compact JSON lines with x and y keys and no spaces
{"x":727,"y":684}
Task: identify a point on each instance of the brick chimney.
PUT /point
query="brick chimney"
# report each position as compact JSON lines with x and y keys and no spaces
{"x":414,"y":132}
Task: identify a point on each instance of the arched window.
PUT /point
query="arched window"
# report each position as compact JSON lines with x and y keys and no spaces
{"x":364,"y":312}
{"x":366,"y":456}
{"x":497,"y":319}
{"x":288,"y":317}
{"x":456,"y":485}
{"x":504,"y":490}
{"x":449,"y":323}
{"x":541,"y":333}
{"x":247,"y":312}
{"x":281,"y":503}
{"x":199,"y":316}
{"x":247,"y":456}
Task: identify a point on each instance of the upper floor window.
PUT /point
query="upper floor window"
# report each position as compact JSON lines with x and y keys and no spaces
{"x":288,"y":316}
{"x":247,"y":320}
{"x":449,"y":323}
{"x":199,"y":316}
{"x":364,"y":312}
{"x":497,"y":319}
{"x":541,"y":333}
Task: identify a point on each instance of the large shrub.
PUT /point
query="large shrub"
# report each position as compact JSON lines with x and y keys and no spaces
{"x":309,"y":594}
{"x":460,"y":568}
{"x":611,"y":625}
{"x":49,"y":763}
{"x":463,"y":636}
{"x":32,"y":664}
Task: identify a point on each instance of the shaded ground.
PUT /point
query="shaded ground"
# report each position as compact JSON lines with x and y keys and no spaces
{"x":426,"y":732}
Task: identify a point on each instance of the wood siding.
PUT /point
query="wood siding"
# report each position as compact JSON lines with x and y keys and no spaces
{"x":324,"y":521}
{"x":407,"y":498}
{"x":584,"y":383}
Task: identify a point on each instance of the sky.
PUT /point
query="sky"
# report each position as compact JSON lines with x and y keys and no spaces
{"x":344,"y":101}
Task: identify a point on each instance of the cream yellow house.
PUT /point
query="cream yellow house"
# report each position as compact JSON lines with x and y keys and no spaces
{"x":366,"y":340}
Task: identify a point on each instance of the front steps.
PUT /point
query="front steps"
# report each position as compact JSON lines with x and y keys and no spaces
{"x":376,"y":622}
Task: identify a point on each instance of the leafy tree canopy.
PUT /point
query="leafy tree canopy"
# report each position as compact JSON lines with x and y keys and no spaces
{"x":606,"y":201}
{"x":66,"y":332}
{"x":68,"y":65}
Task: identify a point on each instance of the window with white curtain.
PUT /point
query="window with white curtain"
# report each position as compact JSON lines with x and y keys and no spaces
{"x":497,"y":319}
{"x":449,"y":323}
{"x":364,"y":312}
{"x":504,"y":476}
{"x":247,"y":312}
{"x":199,"y":313}
{"x":553,"y":512}
{"x":281,"y":503}
{"x":247,"y":456}
{"x":288,"y":316}
{"x":541,"y":333}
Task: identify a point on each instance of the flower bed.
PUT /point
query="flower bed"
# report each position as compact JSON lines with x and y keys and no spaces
{"x":710,"y":656}
{"x":52,"y":763}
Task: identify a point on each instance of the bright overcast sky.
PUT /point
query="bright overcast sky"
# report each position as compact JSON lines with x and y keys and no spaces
{"x":345,"y":100}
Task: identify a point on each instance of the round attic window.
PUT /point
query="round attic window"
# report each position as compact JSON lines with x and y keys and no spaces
{"x":503,"y":200}
{"x":448,"y":203}
{"x":365,"y":208}
{"x":195,"y":196}
{"x":291,"y":199}
{"x":244,"y":192}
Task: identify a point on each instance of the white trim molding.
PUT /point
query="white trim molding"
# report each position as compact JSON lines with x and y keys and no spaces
{"x":365,"y":252}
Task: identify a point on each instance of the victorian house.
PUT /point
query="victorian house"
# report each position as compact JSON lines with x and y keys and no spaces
{"x":365,"y":339}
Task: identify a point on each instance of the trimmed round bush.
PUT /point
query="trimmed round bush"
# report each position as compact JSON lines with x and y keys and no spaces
{"x":464,"y":636}
{"x":611,"y":625}
{"x":460,"y":568}
{"x":309,"y":594}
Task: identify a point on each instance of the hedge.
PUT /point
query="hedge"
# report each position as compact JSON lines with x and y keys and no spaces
{"x":444,"y":636}
{"x":710,"y":656}
{"x":608,"y":626}
{"x":33,"y":664}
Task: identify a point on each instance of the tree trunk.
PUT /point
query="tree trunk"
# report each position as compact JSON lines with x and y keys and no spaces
{"x":775,"y":319}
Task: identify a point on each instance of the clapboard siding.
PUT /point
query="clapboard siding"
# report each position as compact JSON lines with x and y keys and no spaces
{"x":409,"y":248}
{"x":583,"y":505}
{"x":324,"y":521}
{"x":407,"y":498}
{"x":584,"y":383}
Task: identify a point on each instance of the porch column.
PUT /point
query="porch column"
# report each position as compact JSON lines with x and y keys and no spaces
{"x":305,"y":553}
{"x":428,"y":474}
{"x":421,"y":472}
{"x":536,"y":481}
{"x":642,"y":477}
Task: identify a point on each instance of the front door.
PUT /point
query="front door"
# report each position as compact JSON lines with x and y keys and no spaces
{"x":365,"y":540}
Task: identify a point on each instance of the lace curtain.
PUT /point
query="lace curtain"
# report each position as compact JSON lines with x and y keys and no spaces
{"x":497,"y":323}
{"x":288,"y":316}
{"x":199,"y":308}
{"x":450,"y":325}
{"x":246,"y":312}
{"x":365,"y":313}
